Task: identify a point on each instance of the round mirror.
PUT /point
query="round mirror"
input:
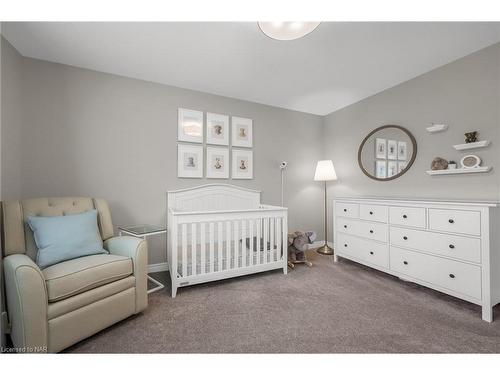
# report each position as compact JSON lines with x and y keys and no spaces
{"x":387,"y":152}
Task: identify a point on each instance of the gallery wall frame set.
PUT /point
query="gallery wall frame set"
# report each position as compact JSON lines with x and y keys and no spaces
{"x":391,"y":157}
{"x":191,"y":157}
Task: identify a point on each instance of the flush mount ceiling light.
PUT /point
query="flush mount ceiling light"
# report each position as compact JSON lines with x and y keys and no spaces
{"x":287,"y":30}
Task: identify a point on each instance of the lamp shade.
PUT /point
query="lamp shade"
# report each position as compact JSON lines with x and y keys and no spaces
{"x":325,"y":171}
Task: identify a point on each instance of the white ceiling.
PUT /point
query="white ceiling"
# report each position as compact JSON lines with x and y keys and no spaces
{"x":336,"y":65}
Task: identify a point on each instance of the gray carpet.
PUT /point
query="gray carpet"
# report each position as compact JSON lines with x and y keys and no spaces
{"x":329,"y":308}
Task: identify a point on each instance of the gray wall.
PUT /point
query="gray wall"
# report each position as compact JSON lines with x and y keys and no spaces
{"x":463,"y":94}
{"x":95,"y":134}
{"x":12,"y":104}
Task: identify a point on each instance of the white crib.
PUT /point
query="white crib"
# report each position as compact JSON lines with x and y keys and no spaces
{"x":220,"y":231}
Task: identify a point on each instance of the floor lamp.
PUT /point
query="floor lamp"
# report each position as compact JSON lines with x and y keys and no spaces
{"x":325,"y":171}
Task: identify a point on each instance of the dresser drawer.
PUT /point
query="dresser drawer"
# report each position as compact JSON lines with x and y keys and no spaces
{"x":373,"y":212}
{"x":347,"y":209}
{"x":463,"y":248}
{"x":407,"y":216}
{"x":465,"y":222}
{"x":364,"y":250}
{"x":450,"y":274}
{"x":370,"y":230}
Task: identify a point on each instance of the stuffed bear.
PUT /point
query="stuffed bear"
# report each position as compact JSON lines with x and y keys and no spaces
{"x":298,"y":242}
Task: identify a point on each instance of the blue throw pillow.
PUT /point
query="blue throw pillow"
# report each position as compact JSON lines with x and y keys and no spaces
{"x":61,"y":238}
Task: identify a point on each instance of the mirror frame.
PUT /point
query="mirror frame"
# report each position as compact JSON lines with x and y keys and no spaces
{"x":410,"y":163}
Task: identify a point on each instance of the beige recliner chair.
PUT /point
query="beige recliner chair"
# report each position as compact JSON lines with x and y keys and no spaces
{"x":54,"y":308}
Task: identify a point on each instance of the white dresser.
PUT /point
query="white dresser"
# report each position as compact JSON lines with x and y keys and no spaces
{"x":448,"y":246}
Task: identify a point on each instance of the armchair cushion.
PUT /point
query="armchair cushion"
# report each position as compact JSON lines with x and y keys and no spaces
{"x":76,"y":276}
{"x":61,"y":238}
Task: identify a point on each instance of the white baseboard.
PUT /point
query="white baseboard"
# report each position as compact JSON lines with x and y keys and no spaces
{"x":158,"y":267}
{"x":317,"y":244}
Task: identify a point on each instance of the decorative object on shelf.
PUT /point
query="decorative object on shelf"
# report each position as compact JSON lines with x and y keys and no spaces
{"x":217,"y":162}
{"x":242,"y":164}
{"x":189,"y":161}
{"x":241,"y":131}
{"x":452,"y":164}
{"x":387,"y":152}
{"x":392,"y":149}
{"x":217,"y":129}
{"x":460,"y":171}
{"x":439,"y":164}
{"x":436,"y":128}
{"x":380,"y":148}
{"x":468,"y":146}
{"x":190,"y":125}
{"x":471,"y":137}
{"x":470,"y":161}
{"x":297,"y":245}
{"x":325,"y":171}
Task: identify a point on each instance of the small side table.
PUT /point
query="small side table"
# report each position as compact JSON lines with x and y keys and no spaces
{"x":144,"y":231}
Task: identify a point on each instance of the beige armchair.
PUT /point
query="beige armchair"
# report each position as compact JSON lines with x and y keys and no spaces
{"x":54,"y":308}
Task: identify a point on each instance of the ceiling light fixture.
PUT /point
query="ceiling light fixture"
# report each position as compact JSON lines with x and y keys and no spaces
{"x":287,"y":30}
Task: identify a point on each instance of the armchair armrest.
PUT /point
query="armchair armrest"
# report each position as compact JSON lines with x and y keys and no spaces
{"x":137,"y":249}
{"x":26,"y":302}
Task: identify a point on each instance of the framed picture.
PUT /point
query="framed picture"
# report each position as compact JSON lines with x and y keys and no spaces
{"x":189,"y":161}
{"x":242,"y":164}
{"x":401,"y":166}
{"x":217,"y":129}
{"x":217,"y":162}
{"x":392,"y":149}
{"x":190,"y":125}
{"x":402,"y":150}
{"x":381,"y":169}
{"x":392,"y":168}
{"x":380,"y":148}
{"x":241,"y":131}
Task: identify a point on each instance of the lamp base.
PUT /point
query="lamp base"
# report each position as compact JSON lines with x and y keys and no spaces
{"x":325,"y":250}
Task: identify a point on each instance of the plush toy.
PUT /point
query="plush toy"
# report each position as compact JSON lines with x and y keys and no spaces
{"x":297,"y":245}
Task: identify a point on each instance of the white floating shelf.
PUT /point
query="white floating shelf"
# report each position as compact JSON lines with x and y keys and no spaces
{"x":468,"y":146}
{"x":460,"y":171}
{"x":437,"y":128}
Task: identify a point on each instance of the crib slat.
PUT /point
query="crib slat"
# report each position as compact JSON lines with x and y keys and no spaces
{"x":184,"y":250}
{"x":271,"y":240}
{"x":236,"y":263}
{"x":266,"y":237}
{"x":278,"y":238}
{"x":285,"y":241}
{"x":193,"y":249}
{"x":228,"y":245}
{"x":259,"y":233}
{"x":251,"y":258}
{"x":219,"y":246}
{"x":211,"y":253}
{"x":243,"y":243}
{"x":202,"y":248}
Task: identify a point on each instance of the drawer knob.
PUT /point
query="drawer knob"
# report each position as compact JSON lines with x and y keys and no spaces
{"x":405,"y":238}
{"x":405,"y":217}
{"x":371,"y":230}
{"x":405,"y":262}
{"x":371,"y":252}
{"x":371,"y":212}
{"x":452,"y":276}
{"x":452,"y":246}
{"x":345,"y":245}
{"x":345,"y":209}
{"x":451,"y":221}
{"x":345,"y":226}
